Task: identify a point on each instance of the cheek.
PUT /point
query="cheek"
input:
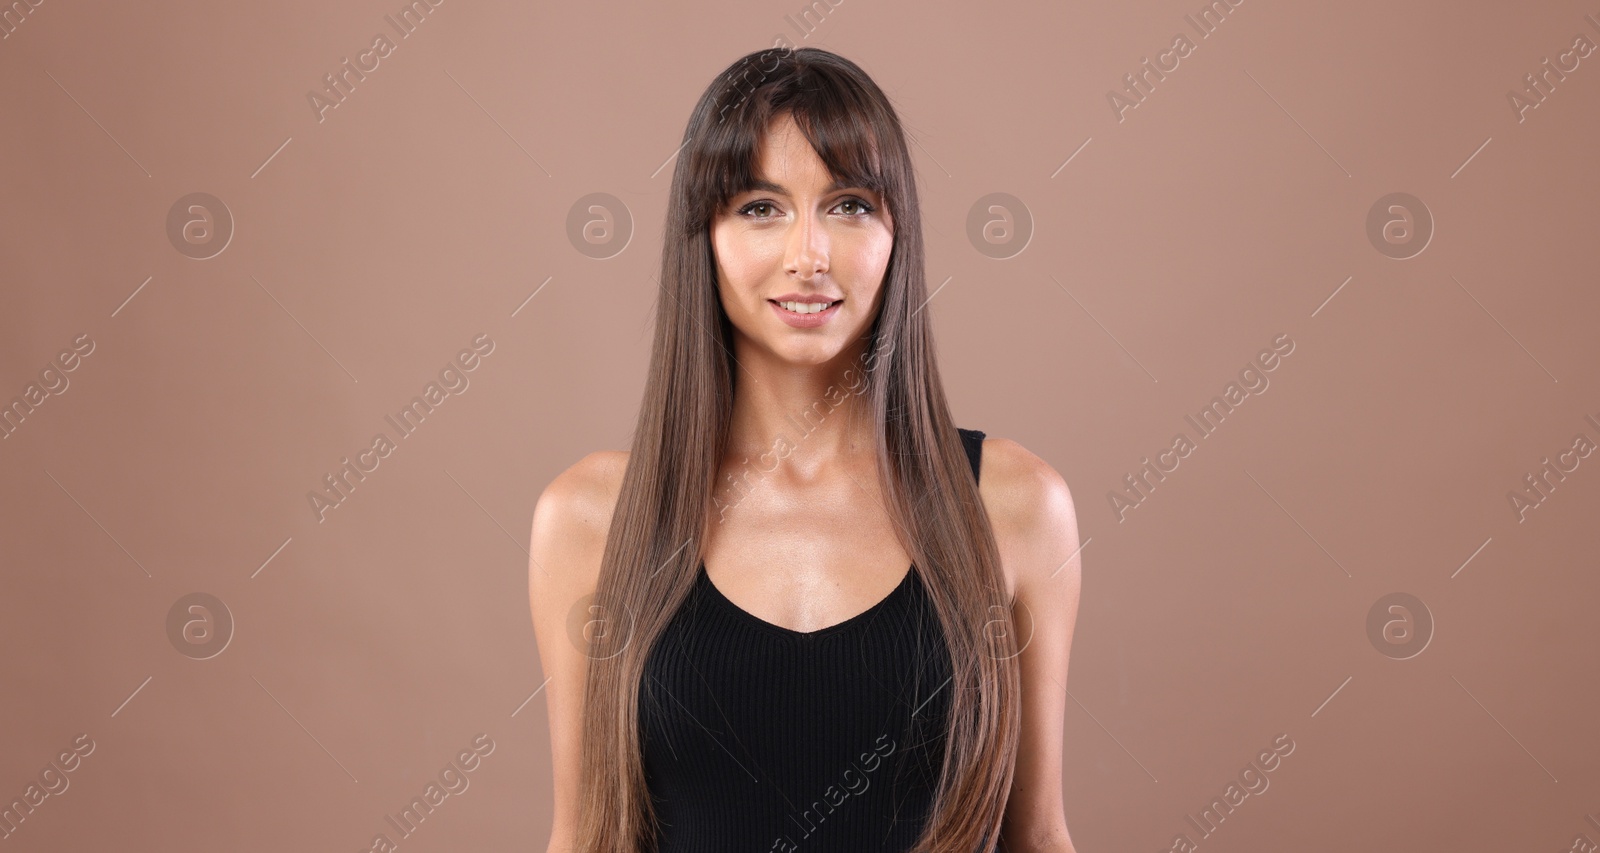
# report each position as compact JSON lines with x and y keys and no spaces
{"x":740,"y":268}
{"x":733,"y":258}
{"x":885,"y":250}
{"x":871,"y":260}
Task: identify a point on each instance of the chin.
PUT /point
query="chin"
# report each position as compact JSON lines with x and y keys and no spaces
{"x":809,"y":356}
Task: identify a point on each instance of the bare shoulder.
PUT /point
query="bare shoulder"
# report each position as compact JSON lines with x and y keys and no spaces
{"x":582,"y":497}
{"x":1037,"y":530}
{"x":1031,"y":508}
{"x":570,"y":522}
{"x":1020,"y":490}
{"x":572,"y":517}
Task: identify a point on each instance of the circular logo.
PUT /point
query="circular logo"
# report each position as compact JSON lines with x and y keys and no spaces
{"x":1399,"y":625}
{"x":600,"y":225}
{"x":994,"y":630}
{"x":199,"y":225}
{"x":199,"y":626}
{"x":594,"y":632}
{"x":1399,"y":225}
{"x":999,"y":225}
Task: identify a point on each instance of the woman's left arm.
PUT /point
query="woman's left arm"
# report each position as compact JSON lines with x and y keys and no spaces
{"x":1039,"y":529}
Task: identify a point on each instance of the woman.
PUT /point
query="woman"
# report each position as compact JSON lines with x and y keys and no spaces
{"x":738,"y":656}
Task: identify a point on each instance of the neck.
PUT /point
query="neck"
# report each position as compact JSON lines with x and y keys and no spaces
{"x":809,"y":415}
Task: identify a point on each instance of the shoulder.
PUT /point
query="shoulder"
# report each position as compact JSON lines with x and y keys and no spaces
{"x":1035,"y":527}
{"x":580,"y":499}
{"x":572,"y":517}
{"x":595,"y":477}
{"x":1031,"y":510}
{"x":570,"y":523}
{"x":1021,"y":490}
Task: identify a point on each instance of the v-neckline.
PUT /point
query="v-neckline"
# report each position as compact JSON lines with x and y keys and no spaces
{"x":829,"y":630}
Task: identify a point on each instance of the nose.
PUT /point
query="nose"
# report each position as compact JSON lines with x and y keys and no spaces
{"x":806,"y":256}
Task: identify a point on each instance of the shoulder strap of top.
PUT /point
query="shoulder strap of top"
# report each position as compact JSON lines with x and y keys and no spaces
{"x":972,"y":440}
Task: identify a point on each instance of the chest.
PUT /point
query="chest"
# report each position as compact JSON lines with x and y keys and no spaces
{"x":804,"y":560}
{"x":762,"y":731}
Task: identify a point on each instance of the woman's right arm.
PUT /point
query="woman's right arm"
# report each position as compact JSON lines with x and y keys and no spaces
{"x":568,"y":539}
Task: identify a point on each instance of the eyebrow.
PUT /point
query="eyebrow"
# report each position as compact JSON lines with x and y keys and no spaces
{"x":759,"y":185}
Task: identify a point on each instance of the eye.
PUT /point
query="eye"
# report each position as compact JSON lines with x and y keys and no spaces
{"x":745,"y":211}
{"x":861,"y":203}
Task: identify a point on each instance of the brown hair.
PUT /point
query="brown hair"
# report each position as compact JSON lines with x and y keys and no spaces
{"x":654,"y":548}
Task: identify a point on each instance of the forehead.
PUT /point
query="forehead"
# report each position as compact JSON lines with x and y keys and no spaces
{"x":786,"y":163}
{"x":761,"y":184}
{"x":785,"y":155}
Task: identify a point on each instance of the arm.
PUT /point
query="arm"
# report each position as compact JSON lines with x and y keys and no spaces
{"x":1037,"y":525}
{"x":568,"y":538}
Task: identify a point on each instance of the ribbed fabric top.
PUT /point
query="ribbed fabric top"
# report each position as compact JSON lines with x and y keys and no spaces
{"x":759,"y":738}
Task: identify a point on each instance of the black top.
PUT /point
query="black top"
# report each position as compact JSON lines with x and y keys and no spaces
{"x":760,"y":738}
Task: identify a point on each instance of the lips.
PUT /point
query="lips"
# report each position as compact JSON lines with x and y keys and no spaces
{"x":805,"y":297}
{"x":805,"y":321}
{"x":826,"y":303}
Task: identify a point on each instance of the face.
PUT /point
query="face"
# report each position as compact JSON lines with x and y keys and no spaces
{"x":799,"y":238}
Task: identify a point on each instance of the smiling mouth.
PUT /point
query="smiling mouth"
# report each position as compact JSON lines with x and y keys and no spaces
{"x":805,"y":307}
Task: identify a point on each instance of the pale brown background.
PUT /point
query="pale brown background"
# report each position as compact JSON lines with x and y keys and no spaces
{"x":368,"y":249}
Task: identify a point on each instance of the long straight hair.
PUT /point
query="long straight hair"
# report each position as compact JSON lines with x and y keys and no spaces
{"x":655,"y":543}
